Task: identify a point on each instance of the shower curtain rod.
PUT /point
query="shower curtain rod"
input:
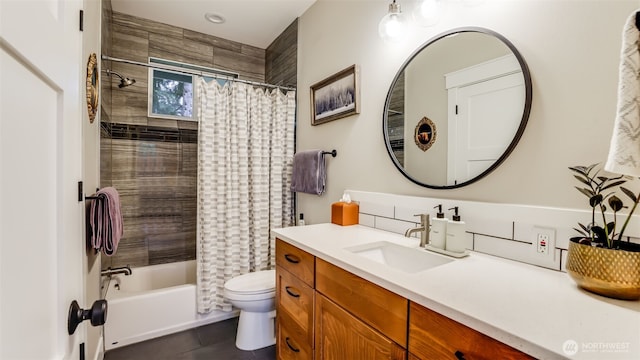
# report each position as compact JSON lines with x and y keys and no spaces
{"x":193,"y":72}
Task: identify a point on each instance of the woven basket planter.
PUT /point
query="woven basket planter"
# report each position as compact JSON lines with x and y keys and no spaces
{"x":608,"y":272}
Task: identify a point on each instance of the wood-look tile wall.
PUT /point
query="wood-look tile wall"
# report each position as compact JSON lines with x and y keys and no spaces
{"x":281,"y":65}
{"x":137,"y":39}
{"x":106,"y":43}
{"x":154,"y":170}
{"x":153,"y":162}
{"x":105,"y":94}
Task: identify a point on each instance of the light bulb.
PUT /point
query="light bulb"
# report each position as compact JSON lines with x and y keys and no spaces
{"x":393,"y":26}
{"x":427,"y":12}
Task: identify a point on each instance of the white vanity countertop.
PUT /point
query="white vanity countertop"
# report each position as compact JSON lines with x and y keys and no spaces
{"x":532,"y":309}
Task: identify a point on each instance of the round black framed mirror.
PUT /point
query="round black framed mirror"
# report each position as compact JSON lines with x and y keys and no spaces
{"x":475,"y":86}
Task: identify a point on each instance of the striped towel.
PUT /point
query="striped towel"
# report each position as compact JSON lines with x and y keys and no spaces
{"x":105,"y":221}
{"x":624,"y":151}
{"x":309,"y":172}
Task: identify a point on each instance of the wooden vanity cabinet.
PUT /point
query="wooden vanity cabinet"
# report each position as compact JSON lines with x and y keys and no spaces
{"x":340,"y":335}
{"x":376,"y":306}
{"x":295,"y":279}
{"x":434,"y":336}
{"x":327,"y":313}
{"x":356,"y":319}
{"x":298,"y":262}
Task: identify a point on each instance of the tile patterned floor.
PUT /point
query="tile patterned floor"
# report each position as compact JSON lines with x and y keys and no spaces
{"x":210,"y":342}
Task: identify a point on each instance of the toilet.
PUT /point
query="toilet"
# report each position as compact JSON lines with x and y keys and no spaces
{"x":254,"y":294}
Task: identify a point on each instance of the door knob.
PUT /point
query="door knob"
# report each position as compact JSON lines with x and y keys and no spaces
{"x":97,"y":314}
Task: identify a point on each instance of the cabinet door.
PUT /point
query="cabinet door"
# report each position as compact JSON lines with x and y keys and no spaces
{"x":376,"y":306}
{"x":433,"y":336}
{"x":339,"y":336}
{"x":295,"y":300}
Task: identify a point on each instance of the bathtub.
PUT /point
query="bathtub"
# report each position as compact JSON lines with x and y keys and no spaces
{"x":154,"y":301}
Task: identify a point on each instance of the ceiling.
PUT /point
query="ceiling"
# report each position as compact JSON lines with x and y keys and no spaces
{"x":252,"y":22}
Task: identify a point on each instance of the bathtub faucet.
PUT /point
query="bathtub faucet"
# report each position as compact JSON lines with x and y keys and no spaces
{"x":126,"y":270}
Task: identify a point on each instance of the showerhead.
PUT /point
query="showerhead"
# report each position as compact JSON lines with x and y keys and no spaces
{"x":124,"y":81}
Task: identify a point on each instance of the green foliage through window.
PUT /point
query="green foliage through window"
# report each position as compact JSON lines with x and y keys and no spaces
{"x":172,"y":94}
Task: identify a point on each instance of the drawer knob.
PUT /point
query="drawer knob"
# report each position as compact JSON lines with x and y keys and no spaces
{"x":292,"y":258}
{"x":289,"y":345}
{"x":459,"y":355}
{"x":288,"y":289}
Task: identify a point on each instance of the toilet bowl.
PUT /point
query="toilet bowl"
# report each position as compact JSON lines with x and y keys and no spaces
{"x":254,"y":294}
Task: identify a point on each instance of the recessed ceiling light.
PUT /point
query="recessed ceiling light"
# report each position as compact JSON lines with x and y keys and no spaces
{"x":214,"y":18}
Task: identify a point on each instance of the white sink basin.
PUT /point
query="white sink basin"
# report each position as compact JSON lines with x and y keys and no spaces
{"x":403,"y":258}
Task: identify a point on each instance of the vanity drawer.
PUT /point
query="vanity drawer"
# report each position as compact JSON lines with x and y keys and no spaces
{"x":299,"y":263}
{"x":384,"y":310}
{"x":433,"y":336}
{"x":291,"y":342}
{"x":295,"y":298}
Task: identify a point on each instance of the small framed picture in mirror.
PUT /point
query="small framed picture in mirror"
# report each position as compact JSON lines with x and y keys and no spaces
{"x":335,"y":97}
{"x":425,"y":133}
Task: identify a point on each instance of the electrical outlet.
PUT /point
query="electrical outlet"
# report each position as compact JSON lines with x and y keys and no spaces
{"x":544,"y":241}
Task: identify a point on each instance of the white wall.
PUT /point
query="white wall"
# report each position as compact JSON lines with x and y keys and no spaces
{"x":91,"y":176}
{"x":572,"y":49}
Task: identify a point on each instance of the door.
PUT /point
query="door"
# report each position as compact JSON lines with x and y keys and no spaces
{"x":41,"y":244}
{"x":488,"y":118}
{"x":340,"y":335}
{"x":485,"y":107}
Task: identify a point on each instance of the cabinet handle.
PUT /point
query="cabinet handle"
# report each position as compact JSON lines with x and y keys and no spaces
{"x":290,"y":292}
{"x":291,"y":258}
{"x":289,"y":345}
{"x":459,"y":355}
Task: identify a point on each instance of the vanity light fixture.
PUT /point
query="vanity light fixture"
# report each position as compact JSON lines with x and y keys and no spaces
{"x":393,"y":26}
{"x":428,"y":12}
{"x":215,"y":18}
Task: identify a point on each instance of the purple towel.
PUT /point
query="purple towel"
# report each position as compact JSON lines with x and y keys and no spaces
{"x":106,"y":221}
{"x":309,"y":172}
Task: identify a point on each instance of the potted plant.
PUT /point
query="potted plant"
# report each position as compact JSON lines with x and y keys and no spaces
{"x":600,"y":260}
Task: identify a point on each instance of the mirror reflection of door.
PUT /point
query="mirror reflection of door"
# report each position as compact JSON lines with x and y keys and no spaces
{"x":483,"y":101}
{"x":493,"y":112}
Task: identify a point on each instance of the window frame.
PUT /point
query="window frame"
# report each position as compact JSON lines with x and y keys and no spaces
{"x":179,"y":68}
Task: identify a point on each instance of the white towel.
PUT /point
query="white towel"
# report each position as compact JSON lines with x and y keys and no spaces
{"x":624,"y":151}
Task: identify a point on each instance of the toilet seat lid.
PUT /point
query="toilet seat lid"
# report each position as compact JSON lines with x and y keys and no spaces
{"x":253,"y":283}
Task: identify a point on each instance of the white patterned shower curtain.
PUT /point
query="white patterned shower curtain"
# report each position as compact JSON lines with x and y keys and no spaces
{"x":245,"y":153}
